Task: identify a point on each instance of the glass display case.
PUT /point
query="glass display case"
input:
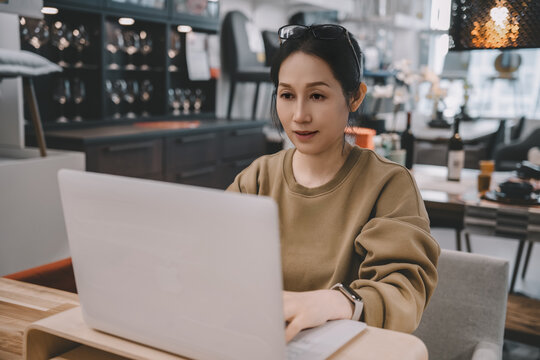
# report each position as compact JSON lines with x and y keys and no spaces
{"x":203,"y":13}
{"x":152,"y":4}
{"x":114,"y":73}
{"x":202,"y":8}
{"x":73,"y":42}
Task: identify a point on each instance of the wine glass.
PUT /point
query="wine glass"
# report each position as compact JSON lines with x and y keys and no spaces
{"x":199,"y":99}
{"x":145,"y":95}
{"x":81,"y":40}
{"x":186,"y":102}
{"x":176,"y":44}
{"x":78,"y":92}
{"x":146,"y":48}
{"x":174,"y":49}
{"x":130,"y":95}
{"x":38,"y":33}
{"x":61,"y":94}
{"x":132,"y":44}
{"x":115,"y":90}
{"x":174,"y":100}
{"x":61,"y":39}
{"x":116,"y":43}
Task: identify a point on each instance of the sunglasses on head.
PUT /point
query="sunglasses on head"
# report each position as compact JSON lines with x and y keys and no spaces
{"x":321,"y":32}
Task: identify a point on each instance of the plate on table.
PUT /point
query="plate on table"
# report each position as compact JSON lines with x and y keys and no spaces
{"x":497,"y":196}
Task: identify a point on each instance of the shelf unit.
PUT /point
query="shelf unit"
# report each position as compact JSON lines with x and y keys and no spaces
{"x":158,"y":19}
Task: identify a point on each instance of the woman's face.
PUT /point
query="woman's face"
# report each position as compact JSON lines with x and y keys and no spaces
{"x":310,"y":104}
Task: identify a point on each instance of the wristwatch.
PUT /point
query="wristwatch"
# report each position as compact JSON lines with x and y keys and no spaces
{"x":353,"y":297}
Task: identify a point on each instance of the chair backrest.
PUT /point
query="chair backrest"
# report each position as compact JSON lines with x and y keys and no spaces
{"x":508,"y":155}
{"x":271,"y":45}
{"x":456,"y":65}
{"x":516,"y":131}
{"x":496,"y":140}
{"x":468,"y":306}
{"x":235,"y":49}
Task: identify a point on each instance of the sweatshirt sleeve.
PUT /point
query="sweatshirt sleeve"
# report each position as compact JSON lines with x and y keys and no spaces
{"x":398,"y":270}
{"x":246,"y":181}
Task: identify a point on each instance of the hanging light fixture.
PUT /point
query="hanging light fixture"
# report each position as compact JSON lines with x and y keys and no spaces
{"x":494,"y":24}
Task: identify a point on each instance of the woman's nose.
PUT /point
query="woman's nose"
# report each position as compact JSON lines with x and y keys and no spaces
{"x":301,"y":112}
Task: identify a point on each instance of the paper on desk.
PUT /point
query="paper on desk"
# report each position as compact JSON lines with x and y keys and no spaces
{"x":450,"y":187}
{"x":323,"y":341}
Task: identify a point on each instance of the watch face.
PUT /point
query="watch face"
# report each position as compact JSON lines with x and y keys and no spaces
{"x":353,"y":293}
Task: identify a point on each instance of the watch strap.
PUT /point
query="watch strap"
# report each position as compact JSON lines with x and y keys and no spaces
{"x":352,"y":296}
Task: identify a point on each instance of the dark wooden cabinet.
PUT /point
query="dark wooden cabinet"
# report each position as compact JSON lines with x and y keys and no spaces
{"x":242,"y":143}
{"x":143,"y":159}
{"x":210,"y":156}
{"x":193,"y":159}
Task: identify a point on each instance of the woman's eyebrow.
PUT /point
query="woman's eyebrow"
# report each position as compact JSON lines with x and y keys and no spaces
{"x":317,"y":83}
{"x":308,"y":85}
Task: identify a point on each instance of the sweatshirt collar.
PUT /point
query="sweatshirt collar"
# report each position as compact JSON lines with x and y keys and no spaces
{"x":340,"y":176}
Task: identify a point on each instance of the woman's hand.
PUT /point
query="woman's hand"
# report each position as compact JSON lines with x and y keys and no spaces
{"x":308,"y":309}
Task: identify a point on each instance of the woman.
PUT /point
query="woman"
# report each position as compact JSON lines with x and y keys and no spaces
{"x":347,"y":216}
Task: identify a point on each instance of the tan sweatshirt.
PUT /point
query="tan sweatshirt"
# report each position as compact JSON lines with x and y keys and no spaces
{"x":367,"y":227}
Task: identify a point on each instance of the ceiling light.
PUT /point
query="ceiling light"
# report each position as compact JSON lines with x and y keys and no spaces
{"x":184,"y":28}
{"x":126,"y":21}
{"x":49,"y":10}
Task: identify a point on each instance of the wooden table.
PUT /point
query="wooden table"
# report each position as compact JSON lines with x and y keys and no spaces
{"x":449,"y":202}
{"x":470,"y":131}
{"x":444,"y":199}
{"x":22,"y":304}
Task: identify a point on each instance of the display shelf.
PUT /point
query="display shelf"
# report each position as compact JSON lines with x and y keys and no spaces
{"x":113,"y":72}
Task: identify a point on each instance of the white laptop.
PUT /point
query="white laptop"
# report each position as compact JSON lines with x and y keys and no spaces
{"x":188,"y":270}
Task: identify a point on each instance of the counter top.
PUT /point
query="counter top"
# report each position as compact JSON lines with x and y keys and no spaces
{"x":77,"y":139}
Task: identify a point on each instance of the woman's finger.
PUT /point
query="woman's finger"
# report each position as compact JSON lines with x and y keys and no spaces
{"x":292,"y":329}
{"x":289,"y":307}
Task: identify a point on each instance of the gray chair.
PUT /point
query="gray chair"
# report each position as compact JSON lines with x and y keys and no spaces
{"x":466,"y":315}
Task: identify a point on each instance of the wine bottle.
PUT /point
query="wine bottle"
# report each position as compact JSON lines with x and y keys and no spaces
{"x":456,"y":154}
{"x":407,"y":143}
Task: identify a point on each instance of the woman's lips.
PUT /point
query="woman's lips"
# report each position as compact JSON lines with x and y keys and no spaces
{"x":305,"y":135}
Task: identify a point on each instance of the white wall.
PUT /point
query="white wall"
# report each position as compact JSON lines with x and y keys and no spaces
{"x":11,"y":106}
{"x":32,"y":230}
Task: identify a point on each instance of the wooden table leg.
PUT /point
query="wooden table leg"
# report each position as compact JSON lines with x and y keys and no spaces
{"x":516,"y":265}
{"x":30,"y":96}
{"x":527,"y":257}
{"x":458,"y":239}
{"x":468,"y":241}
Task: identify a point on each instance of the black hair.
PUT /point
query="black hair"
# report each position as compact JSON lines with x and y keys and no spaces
{"x":336,"y":53}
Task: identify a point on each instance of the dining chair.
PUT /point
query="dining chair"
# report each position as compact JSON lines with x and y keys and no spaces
{"x":517,"y":129}
{"x":240,"y":61}
{"x":271,"y":45}
{"x":508,"y":156}
{"x":465,"y":317}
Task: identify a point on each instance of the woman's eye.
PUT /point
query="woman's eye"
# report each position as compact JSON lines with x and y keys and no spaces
{"x":286,"y":96}
{"x":317,"y":96}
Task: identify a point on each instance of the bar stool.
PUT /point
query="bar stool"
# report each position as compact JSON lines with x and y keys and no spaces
{"x":14,"y":63}
{"x":240,"y":61}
